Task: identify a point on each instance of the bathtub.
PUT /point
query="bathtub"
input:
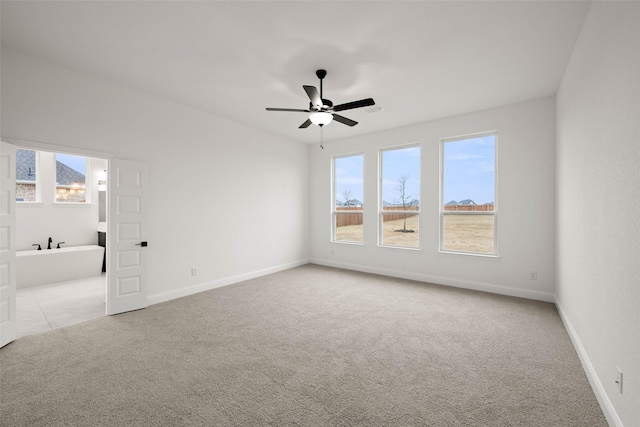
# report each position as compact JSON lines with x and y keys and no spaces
{"x":35,"y":268}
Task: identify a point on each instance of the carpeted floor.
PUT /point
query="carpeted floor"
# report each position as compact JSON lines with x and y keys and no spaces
{"x":311,"y":346}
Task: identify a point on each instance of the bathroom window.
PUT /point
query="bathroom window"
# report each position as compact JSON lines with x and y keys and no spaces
{"x":71,"y":178}
{"x":27,"y":176}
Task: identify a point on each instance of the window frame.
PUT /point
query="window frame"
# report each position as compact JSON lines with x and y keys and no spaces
{"x":381,"y":209}
{"x":334,"y":194}
{"x":494,"y":213}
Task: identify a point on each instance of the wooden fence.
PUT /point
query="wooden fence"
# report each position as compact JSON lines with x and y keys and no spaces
{"x":356,"y":218}
{"x":470,"y":208}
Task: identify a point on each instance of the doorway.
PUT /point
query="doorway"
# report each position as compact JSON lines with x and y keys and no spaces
{"x":61,"y":195}
{"x":127,"y":207}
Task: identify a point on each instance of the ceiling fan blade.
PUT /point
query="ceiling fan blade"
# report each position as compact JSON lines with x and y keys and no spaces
{"x":354,"y":104}
{"x":305,"y":124}
{"x":288,"y":109}
{"x":313,"y":95}
{"x":344,"y":120}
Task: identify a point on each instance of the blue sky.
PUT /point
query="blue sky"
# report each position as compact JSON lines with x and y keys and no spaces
{"x":349,"y":176}
{"x":469,"y":172}
{"x":77,"y":163}
{"x":406,"y":161}
{"x":395,"y":165}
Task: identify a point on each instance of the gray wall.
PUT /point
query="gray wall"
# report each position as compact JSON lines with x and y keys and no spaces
{"x":598,"y":158}
{"x":218,"y":191}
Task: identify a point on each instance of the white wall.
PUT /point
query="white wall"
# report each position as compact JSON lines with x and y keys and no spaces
{"x":526,"y":197}
{"x":598,"y":203}
{"x":75,"y":224}
{"x":220,"y":192}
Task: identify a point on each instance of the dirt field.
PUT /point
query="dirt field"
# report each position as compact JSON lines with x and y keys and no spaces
{"x":353,"y":233}
{"x":468,"y":233}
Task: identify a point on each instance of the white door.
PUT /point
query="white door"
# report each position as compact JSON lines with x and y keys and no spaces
{"x":7,"y":243}
{"x":126,"y":236}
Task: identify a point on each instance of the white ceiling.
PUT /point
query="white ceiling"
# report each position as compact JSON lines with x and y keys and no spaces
{"x":419,"y":60}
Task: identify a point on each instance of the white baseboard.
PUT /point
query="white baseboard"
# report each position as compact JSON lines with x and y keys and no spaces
{"x":439,"y":280}
{"x":598,"y":389}
{"x":201,"y":287}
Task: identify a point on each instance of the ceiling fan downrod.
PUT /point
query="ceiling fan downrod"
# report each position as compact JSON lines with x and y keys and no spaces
{"x":321,"y":74}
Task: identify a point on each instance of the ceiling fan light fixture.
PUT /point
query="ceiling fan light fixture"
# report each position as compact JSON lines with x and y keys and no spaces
{"x":321,"y":118}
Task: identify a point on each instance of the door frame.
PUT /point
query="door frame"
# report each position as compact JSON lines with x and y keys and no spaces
{"x":103,"y":155}
{"x":7,"y":246}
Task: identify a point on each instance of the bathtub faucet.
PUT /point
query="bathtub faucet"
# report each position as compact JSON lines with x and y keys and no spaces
{"x":59,"y":243}
{"x":38,"y":245}
{"x":50,"y":240}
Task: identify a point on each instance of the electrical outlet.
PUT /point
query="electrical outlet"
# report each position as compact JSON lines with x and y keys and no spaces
{"x":193,"y":271}
{"x":619,"y":379}
{"x":533,"y":275}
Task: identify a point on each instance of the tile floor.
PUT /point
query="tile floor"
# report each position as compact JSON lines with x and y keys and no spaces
{"x":46,"y":307}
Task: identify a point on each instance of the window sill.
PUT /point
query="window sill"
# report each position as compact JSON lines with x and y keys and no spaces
{"x":71,"y":204}
{"x":30,"y":204}
{"x":344,"y":242}
{"x":403,"y":248}
{"x":488,"y":257}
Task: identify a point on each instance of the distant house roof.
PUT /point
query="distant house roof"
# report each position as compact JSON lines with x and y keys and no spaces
{"x":466,"y":202}
{"x":352,"y":202}
{"x":451,"y":203}
{"x":26,"y":169}
{"x":67,"y":176}
{"x":25,"y":165}
{"x":414,"y":202}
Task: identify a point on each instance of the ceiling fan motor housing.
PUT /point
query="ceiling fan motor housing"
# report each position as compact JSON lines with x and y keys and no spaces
{"x":326,"y":105}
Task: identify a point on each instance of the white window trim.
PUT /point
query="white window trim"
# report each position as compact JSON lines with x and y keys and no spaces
{"x":381,"y":210}
{"x":442,"y":213}
{"x":335,"y":211}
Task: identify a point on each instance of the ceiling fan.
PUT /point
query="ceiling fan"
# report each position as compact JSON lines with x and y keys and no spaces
{"x":321,"y":110}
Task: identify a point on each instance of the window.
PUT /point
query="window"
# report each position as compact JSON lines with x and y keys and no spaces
{"x":400,"y":197}
{"x":348,"y":192}
{"x":70,"y":178}
{"x":26,"y":175}
{"x":468,"y":195}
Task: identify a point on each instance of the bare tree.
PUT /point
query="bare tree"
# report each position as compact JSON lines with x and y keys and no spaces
{"x":346,"y":194}
{"x":404,"y":198}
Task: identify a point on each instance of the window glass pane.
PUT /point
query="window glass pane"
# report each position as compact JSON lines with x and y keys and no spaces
{"x":468,"y":187}
{"x":400,"y":195}
{"x":349,"y":196}
{"x":25,"y":175}
{"x":400,"y":229}
{"x":469,"y":233}
{"x":70,"y":178}
{"x":348,"y":227}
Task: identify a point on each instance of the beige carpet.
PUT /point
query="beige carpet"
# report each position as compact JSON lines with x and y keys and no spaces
{"x":310,"y":346}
